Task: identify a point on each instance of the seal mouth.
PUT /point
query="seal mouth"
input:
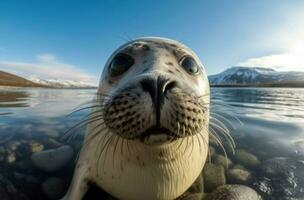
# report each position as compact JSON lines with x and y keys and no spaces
{"x":157,"y":135}
{"x":156,"y":131}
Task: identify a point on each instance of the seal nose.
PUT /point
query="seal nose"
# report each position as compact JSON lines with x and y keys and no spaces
{"x":157,"y":89}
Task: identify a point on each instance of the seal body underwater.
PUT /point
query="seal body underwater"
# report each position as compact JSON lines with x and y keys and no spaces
{"x":148,"y":137}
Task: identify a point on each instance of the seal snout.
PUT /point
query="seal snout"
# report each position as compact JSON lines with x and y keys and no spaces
{"x":157,"y":89}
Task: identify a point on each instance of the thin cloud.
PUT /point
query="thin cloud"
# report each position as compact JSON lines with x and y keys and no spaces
{"x":47,"y":66}
{"x":287,"y":38}
{"x":280,"y":62}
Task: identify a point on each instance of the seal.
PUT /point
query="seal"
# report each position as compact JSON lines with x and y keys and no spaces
{"x":148,"y":131}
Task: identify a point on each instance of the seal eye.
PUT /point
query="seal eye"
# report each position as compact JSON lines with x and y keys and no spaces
{"x":120,"y":64}
{"x":189,"y":64}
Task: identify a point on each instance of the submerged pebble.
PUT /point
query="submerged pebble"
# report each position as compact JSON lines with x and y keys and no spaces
{"x":221,"y":160}
{"x":214,"y":176}
{"x":36,"y":146}
{"x":247,"y":159}
{"x":53,"y":188}
{"x":238,"y":176}
{"x":8,"y":191}
{"x":11,"y":158}
{"x":233,"y":192}
{"x":53,"y":159}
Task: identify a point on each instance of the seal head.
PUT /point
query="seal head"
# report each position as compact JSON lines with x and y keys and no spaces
{"x":149,"y":138}
{"x":158,"y":91}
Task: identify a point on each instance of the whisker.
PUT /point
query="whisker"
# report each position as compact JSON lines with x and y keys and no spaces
{"x":224,"y":118}
{"x":222,"y":127}
{"x":80,"y":125}
{"x":213,"y":133}
{"x":225,"y":111}
{"x":226,"y":134}
{"x":115,"y":146}
{"x":106,"y":150}
{"x":94,"y":134}
{"x":105,"y":143}
{"x":85,"y":108}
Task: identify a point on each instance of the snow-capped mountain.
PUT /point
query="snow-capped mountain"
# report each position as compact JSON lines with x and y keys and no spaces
{"x":57,"y":83}
{"x":255,"y":76}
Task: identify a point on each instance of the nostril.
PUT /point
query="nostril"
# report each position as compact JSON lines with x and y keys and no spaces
{"x":169,"y":86}
{"x":157,"y":89}
{"x":149,"y":85}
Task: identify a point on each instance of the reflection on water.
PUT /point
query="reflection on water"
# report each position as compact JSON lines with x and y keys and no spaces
{"x":271,"y":126}
{"x":282,"y":104}
{"x":13,"y":98}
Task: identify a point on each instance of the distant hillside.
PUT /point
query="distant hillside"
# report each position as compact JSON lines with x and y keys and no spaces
{"x":257,"y":77}
{"x":7,"y":79}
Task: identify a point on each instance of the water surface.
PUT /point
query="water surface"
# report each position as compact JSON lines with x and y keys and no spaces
{"x":265,"y":122}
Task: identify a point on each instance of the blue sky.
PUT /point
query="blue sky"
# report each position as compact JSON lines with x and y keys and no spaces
{"x":73,"y":39}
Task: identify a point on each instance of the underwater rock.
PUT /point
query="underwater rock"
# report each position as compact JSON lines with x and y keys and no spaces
{"x":247,"y":159}
{"x":36,"y":146}
{"x":238,"y":166}
{"x":28,"y":184}
{"x":17,"y":150}
{"x":233,"y":192}
{"x":53,"y":159}
{"x":77,"y":144}
{"x":195,"y":192}
{"x":10,"y":158}
{"x":25,"y":166}
{"x":238,"y":176}
{"x":211,"y":150}
{"x":23,"y":179}
{"x":8,"y":191}
{"x":221,"y":160}
{"x":51,"y":143}
{"x":194,"y":196}
{"x":53,"y":188}
{"x":281,"y":177}
{"x":214,"y":176}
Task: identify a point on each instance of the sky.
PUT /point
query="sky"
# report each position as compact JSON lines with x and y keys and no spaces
{"x":72,"y":40}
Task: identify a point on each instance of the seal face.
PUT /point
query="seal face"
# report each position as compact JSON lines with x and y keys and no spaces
{"x":152,"y":123}
{"x":159,"y":89}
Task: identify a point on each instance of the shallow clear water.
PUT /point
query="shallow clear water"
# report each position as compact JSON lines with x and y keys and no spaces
{"x":266,"y":122}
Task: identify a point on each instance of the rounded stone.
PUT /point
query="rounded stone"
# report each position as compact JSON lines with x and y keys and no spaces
{"x":211,"y":150}
{"x":221,"y":160}
{"x":53,"y":188}
{"x":247,"y":159}
{"x":233,"y":192}
{"x":36,"y":146}
{"x":53,"y":159}
{"x":11,"y":157}
{"x":51,"y":143}
{"x":238,"y":176}
{"x":214,"y":176}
